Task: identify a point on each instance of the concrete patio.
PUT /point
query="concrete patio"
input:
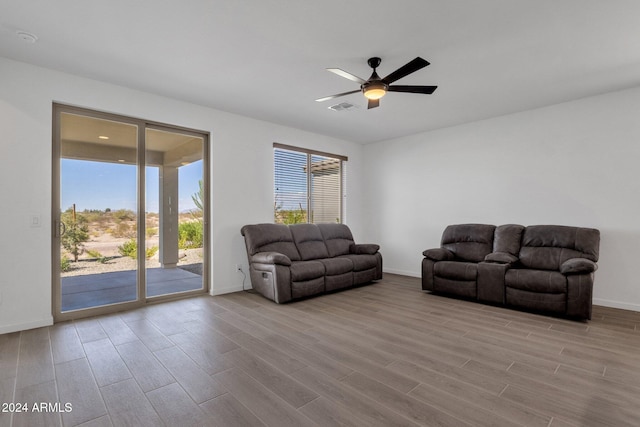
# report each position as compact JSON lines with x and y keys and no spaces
{"x":93,"y":290}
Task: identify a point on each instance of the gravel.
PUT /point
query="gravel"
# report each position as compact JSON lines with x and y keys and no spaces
{"x":189,"y":259}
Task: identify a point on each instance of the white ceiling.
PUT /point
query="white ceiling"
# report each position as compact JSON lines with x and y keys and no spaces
{"x":266,"y":58}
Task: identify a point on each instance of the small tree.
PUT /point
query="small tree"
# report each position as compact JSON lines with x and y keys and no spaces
{"x":76,"y":232}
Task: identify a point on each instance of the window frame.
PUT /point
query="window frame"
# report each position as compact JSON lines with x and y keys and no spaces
{"x":309,"y":153}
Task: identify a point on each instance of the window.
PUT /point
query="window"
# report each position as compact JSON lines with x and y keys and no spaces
{"x":308,"y":186}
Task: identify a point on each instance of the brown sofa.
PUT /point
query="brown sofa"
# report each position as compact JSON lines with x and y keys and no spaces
{"x":288,"y":262}
{"x":546,"y":268}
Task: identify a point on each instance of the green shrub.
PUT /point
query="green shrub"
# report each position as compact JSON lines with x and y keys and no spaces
{"x":98,"y":256}
{"x":151,"y":231}
{"x":190,"y":235}
{"x":129,"y":248}
{"x":65,"y":264}
{"x":149,"y":252}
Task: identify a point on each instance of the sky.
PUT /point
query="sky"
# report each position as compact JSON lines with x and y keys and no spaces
{"x":101,"y":185}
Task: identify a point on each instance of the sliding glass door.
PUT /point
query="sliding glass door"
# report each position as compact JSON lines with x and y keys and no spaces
{"x":129,"y":212}
{"x":174,"y":218}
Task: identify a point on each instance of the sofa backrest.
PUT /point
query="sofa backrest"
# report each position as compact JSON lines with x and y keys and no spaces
{"x":469,"y":242}
{"x":270,"y":238}
{"x":507,"y":238}
{"x":309,"y":241}
{"x":337,"y":238}
{"x":546,"y":247}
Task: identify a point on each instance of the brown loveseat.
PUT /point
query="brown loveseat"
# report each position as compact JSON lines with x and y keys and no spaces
{"x":301,"y":260}
{"x":541,"y":267}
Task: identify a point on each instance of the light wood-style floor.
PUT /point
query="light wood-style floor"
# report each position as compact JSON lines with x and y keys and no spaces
{"x":386,"y":354}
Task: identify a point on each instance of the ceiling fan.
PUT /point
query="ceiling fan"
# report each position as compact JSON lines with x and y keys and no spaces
{"x":375,"y":88}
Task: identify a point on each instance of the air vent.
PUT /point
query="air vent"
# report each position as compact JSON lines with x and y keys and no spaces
{"x":343,"y":106}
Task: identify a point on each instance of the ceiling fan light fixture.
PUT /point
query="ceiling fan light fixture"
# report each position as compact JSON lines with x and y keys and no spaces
{"x":374,"y":90}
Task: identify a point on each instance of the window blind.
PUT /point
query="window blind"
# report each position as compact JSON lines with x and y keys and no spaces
{"x":308,"y":186}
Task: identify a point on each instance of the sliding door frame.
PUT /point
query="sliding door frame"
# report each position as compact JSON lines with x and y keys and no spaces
{"x":142,"y":299}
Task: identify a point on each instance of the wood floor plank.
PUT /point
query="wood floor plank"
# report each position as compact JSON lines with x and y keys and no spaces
{"x":195,"y":381}
{"x":77,"y":387}
{"x":33,"y":395}
{"x":567,"y":378}
{"x":176,"y":408}
{"x":327,"y":413}
{"x":143,"y":365}
{"x":210,"y":320}
{"x":322,"y":363}
{"x":117,"y":331}
{"x":104,"y":421}
{"x":9,"y":350}
{"x":89,"y":330}
{"x":276,"y":381}
{"x":281,"y":360}
{"x":379,"y":372}
{"x":416,"y":410}
{"x":472,"y":414}
{"x":266,"y":405}
{"x":36,"y":360}
{"x":7,"y":392}
{"x":128,"y":405}
{"x":106,"y":363}
{"x":387,"y":354}
{"x":65,"y":343}
{"x":362,"y":407}
{"x":460,"y":390}
{"x":226,"y":410}
{"x":149,"y":334}
{"x":199,"y":352}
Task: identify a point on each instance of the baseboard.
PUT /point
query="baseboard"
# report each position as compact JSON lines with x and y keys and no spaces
{"x":16,"y":327}
{"x":401,"y":272}
{"x":616,"y":304}
{"x":228,"y":290}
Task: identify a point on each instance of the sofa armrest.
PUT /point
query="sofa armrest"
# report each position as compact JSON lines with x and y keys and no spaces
{"x":578,"y":266}
{"x":364,"y":249}
{"x":439,"y":254}
{"x":271,"y":258}
{"x":501,"y":258}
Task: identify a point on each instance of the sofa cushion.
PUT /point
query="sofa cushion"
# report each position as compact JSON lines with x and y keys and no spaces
{"x":334,"y":266}
{"x":507,"y":238}
{"x":309,"y":241}
{"x":578,"y":266}
{"x":501,"y":258}
{"x":456,"y":270}
{"x":364,"y":248}
{"x":469,"y":242}
{"x":270,"y":238}
{"x":462,"y":288}
{"x":544,"y":281}
{"x":362,"y":262}
{"x":438,"y":254}
{"x":307,"y":288}
{"x":306,"y":270}
{"x":546,"y":247}
{"x":536,"y":300}
{"x":337,"y":238}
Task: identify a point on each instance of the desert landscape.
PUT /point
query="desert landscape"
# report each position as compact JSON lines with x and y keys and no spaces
{"x":104,"y":241}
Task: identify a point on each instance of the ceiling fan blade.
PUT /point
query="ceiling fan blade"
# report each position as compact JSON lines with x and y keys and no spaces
{"x":346,"y":75}
{"x":326,"y":98}
{"x":413,"y":89}
{"x":406,"y":69}
{"x":373,"y":103}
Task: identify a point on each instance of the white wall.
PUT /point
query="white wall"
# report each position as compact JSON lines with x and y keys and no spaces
{"x":241,"y":172}
{"x":575,"y":163}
